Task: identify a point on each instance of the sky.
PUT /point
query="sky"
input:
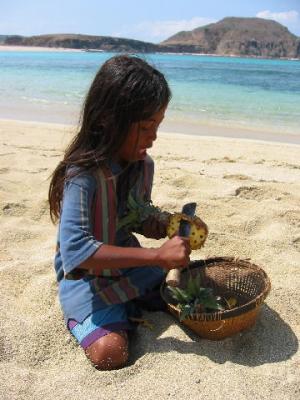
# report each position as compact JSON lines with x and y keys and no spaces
{"x":151,"y":21}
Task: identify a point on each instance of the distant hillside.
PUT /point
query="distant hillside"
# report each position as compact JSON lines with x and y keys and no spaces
{"x":73,"y":41}
{"x":3,"y":38}
{"x":231,"y":36}
{"x":239,"y":36}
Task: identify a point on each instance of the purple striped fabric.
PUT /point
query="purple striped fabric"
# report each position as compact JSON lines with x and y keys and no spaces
{"x":101,"y":331}
{"x":105,"y":218}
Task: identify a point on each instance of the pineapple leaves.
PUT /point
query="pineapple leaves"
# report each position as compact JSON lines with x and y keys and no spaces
{"x":185,"y":311}
{"x":193,"y":286}
{"x":138,"y":212}
{"x":195,"y":298}
{"x":181,"y":295}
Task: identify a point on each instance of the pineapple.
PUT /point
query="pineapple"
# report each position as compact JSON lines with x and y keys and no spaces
{"x":139,"y":211}
{"x":198,"y":230}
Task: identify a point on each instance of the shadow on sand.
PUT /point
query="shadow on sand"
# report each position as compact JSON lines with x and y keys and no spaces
{"x":271,"y":340}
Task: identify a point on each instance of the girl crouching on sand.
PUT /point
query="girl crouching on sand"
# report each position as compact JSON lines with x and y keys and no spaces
{"x":101,"y":269}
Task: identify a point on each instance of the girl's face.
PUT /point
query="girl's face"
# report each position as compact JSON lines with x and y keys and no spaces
{"x":140,"y":137}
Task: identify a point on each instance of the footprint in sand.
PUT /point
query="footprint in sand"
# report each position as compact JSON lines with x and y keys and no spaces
{"x":36,"y":171}
{"x":239,"y":177}
{"x":180,"y":194}
{"x":286,"y":165}
{"x":292,"y":217}
{"x":256,"y":193}
{"x":181,"y":186}
{"x":17,"y":236}
{"x":183,"y":158}
{"x":254,"y":226}
{"x":13,"y":209}
{"x":185,"y":181}
{"x":51,"y":155}
{"x":265,"y":230}
{"x":220,"y":160}
{"x":296,"y":242}
{"x":41,"y":209}
{"x":5,"y":349}
{"x":249,"y":192}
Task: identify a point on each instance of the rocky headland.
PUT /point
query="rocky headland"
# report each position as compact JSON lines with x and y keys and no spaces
{"x":245,"y":37}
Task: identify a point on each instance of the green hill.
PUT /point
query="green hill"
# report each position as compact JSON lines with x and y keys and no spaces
{"x":73,"y":41}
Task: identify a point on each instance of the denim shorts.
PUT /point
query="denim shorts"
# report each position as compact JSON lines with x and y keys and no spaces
{"x":100,"y":323}
{"x":114,"y":318}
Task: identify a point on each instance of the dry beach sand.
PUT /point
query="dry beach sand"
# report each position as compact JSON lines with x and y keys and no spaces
{"x":248,"y":193}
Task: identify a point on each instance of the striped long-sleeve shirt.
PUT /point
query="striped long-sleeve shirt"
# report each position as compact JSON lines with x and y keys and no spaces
{"x":89,"y":216}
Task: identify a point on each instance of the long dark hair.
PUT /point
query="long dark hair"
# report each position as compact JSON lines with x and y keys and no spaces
{"x":125,"y":90}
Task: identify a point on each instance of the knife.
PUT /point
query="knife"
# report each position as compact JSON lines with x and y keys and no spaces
{"x":173,"y":276}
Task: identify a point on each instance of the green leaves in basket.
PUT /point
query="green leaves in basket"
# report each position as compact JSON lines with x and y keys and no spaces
{"x":195,"y":298}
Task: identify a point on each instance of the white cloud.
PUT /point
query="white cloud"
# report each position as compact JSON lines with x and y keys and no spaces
{"x":160,"y":30}
{"x":290,"y":19}
{"x":283,"y":17}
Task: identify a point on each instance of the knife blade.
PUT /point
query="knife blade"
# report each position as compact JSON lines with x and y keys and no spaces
{"x":173,"y":276}
{"x":184,"y":226}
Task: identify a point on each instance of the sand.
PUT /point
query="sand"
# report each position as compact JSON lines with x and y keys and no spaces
{"x":248,"y":193}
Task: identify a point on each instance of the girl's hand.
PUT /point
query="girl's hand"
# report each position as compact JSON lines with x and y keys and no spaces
{"x":154,"y":229}
{"x":174,"y":253}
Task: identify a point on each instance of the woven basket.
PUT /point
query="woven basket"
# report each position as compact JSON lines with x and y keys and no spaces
{"x":228,"y":277}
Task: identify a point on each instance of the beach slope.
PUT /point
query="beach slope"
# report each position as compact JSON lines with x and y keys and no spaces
{"x":248,"y":193}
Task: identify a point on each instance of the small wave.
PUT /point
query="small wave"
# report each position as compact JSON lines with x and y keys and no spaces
{"x":35,"y":100}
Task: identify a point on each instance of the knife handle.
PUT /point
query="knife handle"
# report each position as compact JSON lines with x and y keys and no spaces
{"x":173,"y":277}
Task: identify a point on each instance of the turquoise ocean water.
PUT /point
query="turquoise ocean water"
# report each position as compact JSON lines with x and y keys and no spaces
{"x":256,"y":94}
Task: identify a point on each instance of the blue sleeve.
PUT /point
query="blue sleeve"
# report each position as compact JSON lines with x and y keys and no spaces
{"x":76,"y":239}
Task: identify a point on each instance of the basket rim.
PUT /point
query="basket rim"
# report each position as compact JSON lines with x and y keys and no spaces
{"x":223,"y":314}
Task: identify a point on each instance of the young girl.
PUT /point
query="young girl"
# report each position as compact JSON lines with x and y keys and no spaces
{"x":101,"y":269}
